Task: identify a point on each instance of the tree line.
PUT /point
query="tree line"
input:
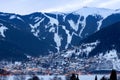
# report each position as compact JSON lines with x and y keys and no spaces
{"x":113,"y":76}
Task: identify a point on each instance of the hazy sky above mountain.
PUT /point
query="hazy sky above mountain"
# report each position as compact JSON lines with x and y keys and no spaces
{"x":29,"y":6}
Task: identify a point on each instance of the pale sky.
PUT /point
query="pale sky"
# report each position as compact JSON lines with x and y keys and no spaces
{"x":30,"y":6}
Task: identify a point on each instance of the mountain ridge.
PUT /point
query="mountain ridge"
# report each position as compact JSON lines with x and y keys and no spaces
{"x":108,"y":37}
{"x":54,"y":32}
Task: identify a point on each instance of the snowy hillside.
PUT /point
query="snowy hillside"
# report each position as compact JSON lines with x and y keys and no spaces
{"x":101,"y":47}
{"x":44,"y":33}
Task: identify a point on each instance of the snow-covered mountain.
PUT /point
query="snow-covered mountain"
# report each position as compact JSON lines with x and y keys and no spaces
{"x":102,"y":48}
{"x":107,"y":40}
{"x":100,"y":43}
{"x":43,"y":33}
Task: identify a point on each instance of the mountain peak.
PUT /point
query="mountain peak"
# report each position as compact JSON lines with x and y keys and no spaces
{"x":42,"y":33}
{"x":85,"y":11}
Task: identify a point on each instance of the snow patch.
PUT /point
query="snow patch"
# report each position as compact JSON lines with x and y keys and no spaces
{"x":87,"y":48}
{"x":20,"y":18}
{"x":2,"y":30}
{"x":99,"y":24}
{"x":52,"y":20}
{"x":36,"y":33}
{"x":64,"y":17}
{"x":112,"y":54}
{"x":52,"y":29}
{"x":36,"y":24}
{"x":68,"y":53}
{"x":3,"y":14}
{"x":83,"y":24}
{"x":37,"y":19}
{"x":112,"y":57}
{"x":69,"y":37}
{"x":12,"y":17}
{"x":57,"y":39}
{"x":83,"y":49}
{"x":73,"y":25}
{"x":34,"y":27}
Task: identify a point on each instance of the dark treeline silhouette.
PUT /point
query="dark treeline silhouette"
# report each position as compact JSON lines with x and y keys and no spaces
{"x":4,"y":72}
{"x":34,"y":77}
{"x":74,"y":77}
{"x":96,"y":77}
{"x":113,"y":76}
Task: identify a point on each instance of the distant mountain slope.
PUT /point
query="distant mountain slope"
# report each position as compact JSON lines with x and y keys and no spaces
{"x":27,"y":43}
{"x":43,"y":33}
{"x":107,"y":39}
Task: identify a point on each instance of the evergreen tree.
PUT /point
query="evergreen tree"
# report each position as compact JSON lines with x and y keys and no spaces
{"x":73,"y":77}
{"x":35,"y":78}
{"x":113,"y":75}
{"x":96,"y":77}
{"x":77,"y":77}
